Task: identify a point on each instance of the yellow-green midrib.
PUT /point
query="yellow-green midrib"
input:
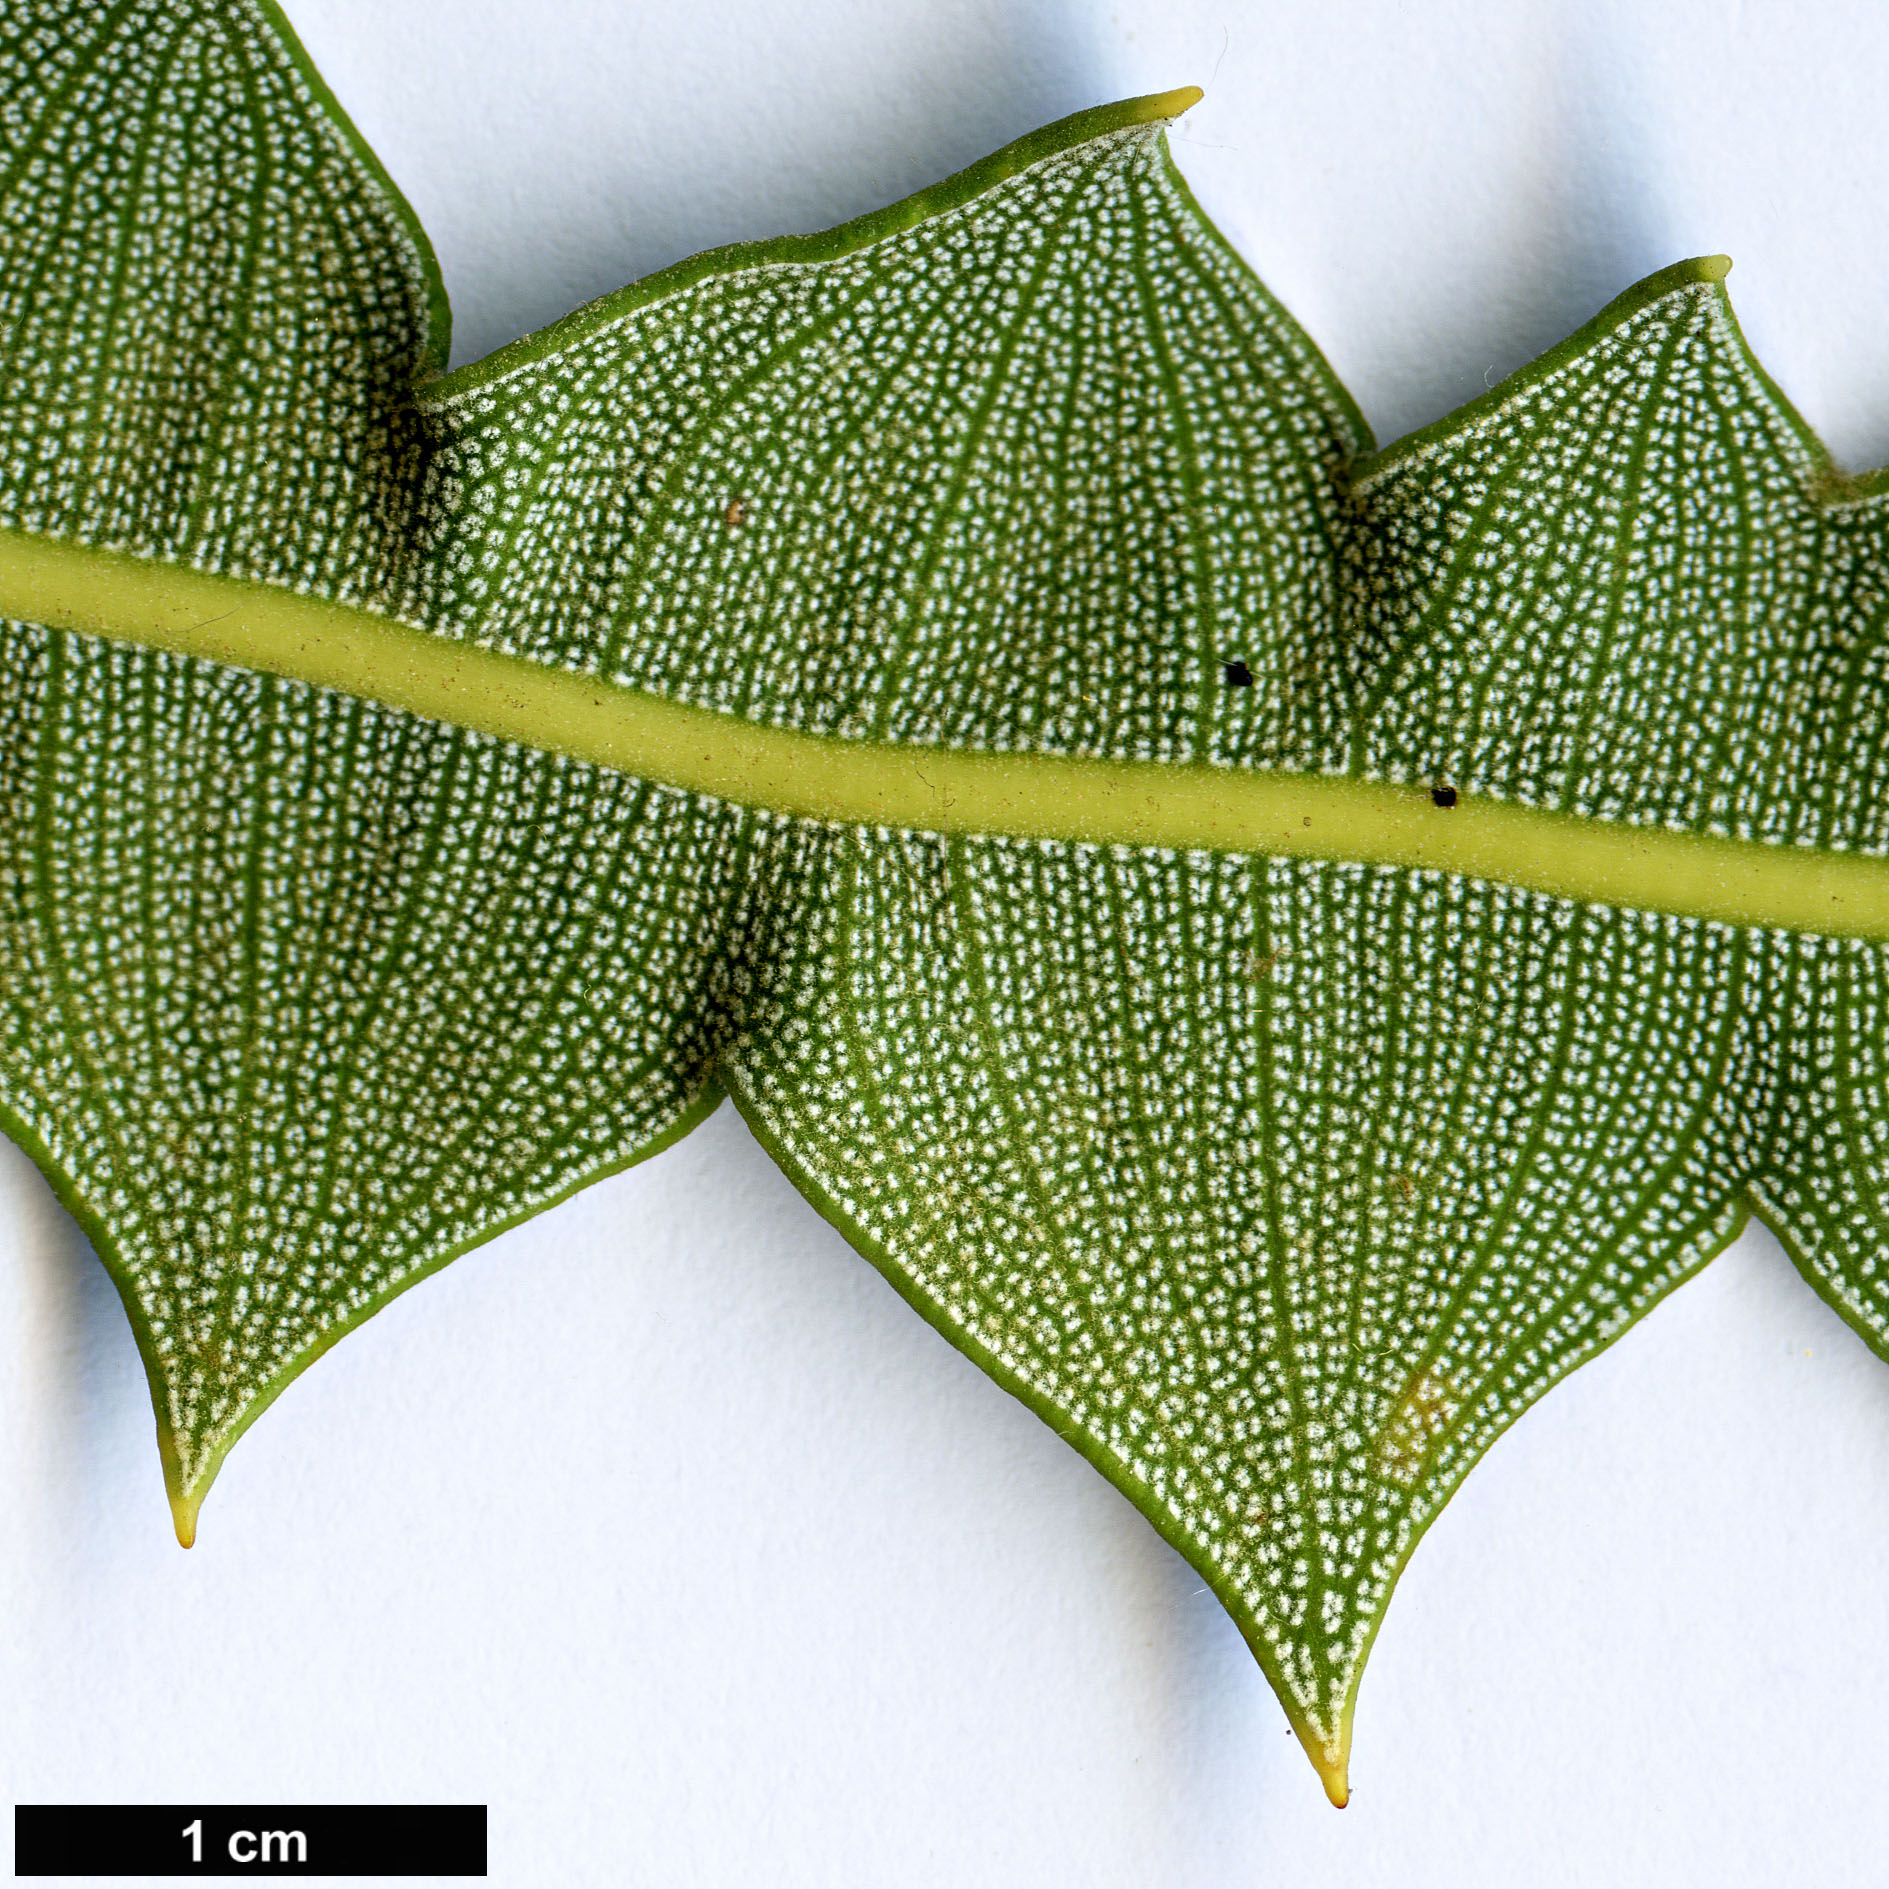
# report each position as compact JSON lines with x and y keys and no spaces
{"x":1030,"y":796}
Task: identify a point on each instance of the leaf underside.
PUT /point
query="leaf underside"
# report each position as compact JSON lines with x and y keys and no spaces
{"x":1279,"y":1185}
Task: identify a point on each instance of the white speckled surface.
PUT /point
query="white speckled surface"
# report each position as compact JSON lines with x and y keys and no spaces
{"x":660,"y":1524}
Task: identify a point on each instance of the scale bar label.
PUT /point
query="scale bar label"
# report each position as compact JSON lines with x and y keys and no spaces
{"x":256,"y":1840}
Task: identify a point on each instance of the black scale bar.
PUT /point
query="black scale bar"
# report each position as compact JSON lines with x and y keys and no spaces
{"x":259,"y":1840}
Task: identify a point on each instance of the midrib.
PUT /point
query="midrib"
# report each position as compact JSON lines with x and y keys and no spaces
{"x":941,"y":790}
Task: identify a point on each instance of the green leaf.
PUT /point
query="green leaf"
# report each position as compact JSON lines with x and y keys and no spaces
{"x":1279,"y":954}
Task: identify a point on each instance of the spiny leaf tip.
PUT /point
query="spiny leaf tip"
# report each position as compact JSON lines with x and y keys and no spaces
{"x":1331,"y":1759}
{"x":184,"y":1516}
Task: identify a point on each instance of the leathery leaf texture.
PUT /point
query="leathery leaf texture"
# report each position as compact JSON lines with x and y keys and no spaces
{"x":1280,"y":954}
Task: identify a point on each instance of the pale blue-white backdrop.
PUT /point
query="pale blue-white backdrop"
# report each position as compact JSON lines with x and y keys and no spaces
{"x":661,"y":1525}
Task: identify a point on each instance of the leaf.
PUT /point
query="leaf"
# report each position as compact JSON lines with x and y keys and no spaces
{"x":1280,"y":955}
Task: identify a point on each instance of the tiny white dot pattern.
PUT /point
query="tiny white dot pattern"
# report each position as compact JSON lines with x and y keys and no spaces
{"x":1279,"y":1187}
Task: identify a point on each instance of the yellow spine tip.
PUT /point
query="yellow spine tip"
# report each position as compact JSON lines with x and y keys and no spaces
{"x":1331,"y":1759}
{"x":184,"y":1515}
{"x":1172,"y":104}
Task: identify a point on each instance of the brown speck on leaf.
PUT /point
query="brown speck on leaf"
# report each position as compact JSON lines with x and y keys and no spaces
{"x":1256,"y":966}
{"x":735,"y":514}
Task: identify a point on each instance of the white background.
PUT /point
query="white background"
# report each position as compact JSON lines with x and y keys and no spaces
{"x":661,"y":1525}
